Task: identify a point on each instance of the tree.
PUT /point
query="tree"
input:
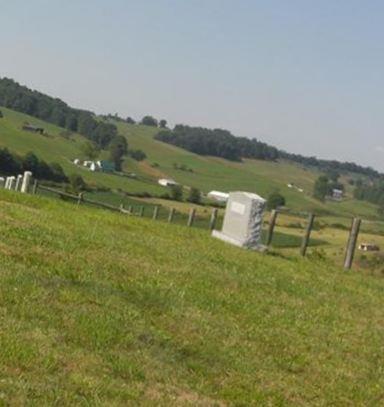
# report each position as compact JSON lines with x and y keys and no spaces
{"x":118,"y":148}
{"x":90,"y":150}
{"x":275,"y":200}
{"x":333,"y":175}
{"x":163,"y":124}
{"x":129,"y":120}
{"x":321,"y":188}
{"x":77,"y":183}
{"x":149,"y":121}
{"x":30,"y":163}
{"x":8,"y":163}
{"x":1,"y":114}
{"x":176,"y":192}
{"x":57,"y":173}
{"x":194,"y":196}
{"x":137,"y":155}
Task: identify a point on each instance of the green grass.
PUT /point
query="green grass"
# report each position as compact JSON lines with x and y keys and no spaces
{"x":99,"y":308}
{"x":56,"y":148}
{"x":208,"y":173}
{"x":261,"y":177}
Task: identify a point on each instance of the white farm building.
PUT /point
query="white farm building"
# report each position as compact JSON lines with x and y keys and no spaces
{"x":167,"y":182}
{"x":218,"y":196}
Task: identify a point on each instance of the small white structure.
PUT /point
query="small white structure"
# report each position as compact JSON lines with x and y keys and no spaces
{"x":218,"y":196}
{"x":337,"y":194}
{"x":76,"y":161}
{"x":26,"y":181}
{"x":11,"y":184}
{"x":19,"y":180}
{"x":369,"y":247}
{"x":167,"y":182}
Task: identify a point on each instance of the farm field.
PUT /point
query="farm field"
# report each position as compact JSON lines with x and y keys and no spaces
{"x":88,"y":317}
{"x":206,"y":173}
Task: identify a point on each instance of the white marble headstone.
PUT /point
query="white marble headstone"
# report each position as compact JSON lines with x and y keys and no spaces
{"x":243,"y":220}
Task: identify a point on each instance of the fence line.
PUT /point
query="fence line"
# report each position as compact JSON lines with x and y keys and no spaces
{"x":22,"y":183}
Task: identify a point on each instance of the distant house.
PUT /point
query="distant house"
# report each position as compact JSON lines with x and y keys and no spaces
{"x":369,"y":247}
{"x":33,"y":129}
{"x":218,"y":196}
{"x":337,"y":194}
{"x":167,"y":182}
{"x":101,"y":165}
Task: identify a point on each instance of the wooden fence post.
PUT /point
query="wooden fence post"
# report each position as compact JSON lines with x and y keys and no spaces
{"x":35,"y":186}
{"x":271,"y":227}
{"x":80,"y":198}
{"x":171,"y":214}
{"x":351,"y":246}
{"x":155,"y":212}
{"x":212,"y":221}
{"x":307,"y":234}
{"x":141,"y":212}
{"x":191,"y":217}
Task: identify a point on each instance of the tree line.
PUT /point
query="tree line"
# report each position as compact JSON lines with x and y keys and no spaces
{"x":222,"y":143}
{"x":203,"y":141}
{"x":372,"y":192}
{"x":11,"y":164}
{"x":217,"y":142}
{"x":53,"y":110}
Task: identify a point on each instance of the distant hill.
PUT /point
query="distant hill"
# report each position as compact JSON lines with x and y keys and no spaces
{"x":263,"y":176}
{"x":221,"y":143}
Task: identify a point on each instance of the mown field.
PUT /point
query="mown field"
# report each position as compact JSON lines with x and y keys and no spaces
{"x":99,"y":308}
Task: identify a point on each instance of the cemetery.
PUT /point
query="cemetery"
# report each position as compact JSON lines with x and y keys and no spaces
{"x":243,"y":223}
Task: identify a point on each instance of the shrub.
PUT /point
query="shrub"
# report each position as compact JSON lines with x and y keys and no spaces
{"x":275,"y":200}
{"x":176,"y":192}
{"x":137,"y":155}
{"x":77,"y":183}
{"x":194,"y":196}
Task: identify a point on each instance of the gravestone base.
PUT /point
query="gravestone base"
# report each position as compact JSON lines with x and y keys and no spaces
{"x":239,"y":243}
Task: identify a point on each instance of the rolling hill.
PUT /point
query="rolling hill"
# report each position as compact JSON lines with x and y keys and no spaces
{"x":205,"y":173}
{"x":88,"y":318}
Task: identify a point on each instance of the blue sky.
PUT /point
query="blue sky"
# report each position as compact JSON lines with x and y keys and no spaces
{"x":305,"y":76}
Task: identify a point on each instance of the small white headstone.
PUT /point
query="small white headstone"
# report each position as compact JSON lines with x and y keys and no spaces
{"x":26,"y":181}
{"x":243,"y":220}
{"x":18,"y":182}
{"x":11,"y":184}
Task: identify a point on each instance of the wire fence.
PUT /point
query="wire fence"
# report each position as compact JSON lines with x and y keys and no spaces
{"x":282,"y":229}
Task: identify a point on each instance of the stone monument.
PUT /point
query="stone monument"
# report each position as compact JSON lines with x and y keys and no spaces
{"x":243,"y":221}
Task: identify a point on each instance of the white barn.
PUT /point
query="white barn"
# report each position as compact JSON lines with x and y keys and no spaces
{"x":167,"y":182}
{"x":218,"y":196}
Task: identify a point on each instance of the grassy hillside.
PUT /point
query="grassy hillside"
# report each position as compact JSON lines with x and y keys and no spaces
{"x":258,"y":176}
{"x":53,"y":147}
{"x":208,"y":173}
{"x":99,"y":308}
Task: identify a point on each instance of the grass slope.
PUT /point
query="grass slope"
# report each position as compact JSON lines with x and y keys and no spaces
{"x":262,"y":177}
{"x":56,"y":148}
{"x":208,"y":173}
{"x":102,"y":309}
